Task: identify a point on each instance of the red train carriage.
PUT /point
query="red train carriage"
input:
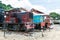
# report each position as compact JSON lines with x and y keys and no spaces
{"x":18,"y":21}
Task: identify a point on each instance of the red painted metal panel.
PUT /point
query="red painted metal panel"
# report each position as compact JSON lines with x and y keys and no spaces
{"x":9,"y":19}
{"x":25,"y":18}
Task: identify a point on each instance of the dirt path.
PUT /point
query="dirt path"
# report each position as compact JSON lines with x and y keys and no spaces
{"x":53,"y":34}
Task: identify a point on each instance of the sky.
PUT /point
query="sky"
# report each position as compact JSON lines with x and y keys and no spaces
{"x":45,"y":6}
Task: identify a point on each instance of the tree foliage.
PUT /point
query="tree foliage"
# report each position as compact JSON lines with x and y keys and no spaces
{"x":54,"y":15}
{"x":5,"y":7}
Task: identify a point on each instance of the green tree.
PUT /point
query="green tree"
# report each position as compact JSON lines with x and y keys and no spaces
{"x":54,"y":15}
{"x":59,"y":17}
{"x":9,"y":7}
{"x":5,"y":7}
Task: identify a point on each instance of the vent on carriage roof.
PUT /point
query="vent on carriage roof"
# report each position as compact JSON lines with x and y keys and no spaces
{"x":37,"y":11}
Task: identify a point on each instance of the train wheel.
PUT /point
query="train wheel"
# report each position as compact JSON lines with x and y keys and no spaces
{"x":23,"y":29}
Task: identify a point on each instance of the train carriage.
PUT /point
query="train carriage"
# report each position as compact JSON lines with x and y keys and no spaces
{"x":17,"y":20}
{"x":21,"y":19}
{"x":38,"y":18}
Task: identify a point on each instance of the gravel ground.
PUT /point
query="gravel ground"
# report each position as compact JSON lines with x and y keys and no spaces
{"x":53,"y":34}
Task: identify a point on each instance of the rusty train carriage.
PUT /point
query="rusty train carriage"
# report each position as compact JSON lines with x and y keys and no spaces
{"x":17,"y":20}
{"x":21,"y":18}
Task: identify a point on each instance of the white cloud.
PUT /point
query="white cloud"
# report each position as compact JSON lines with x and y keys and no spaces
{"x":25,"y":4}
{"x":49,"y":1}
{"x":11,"y":2}
{"x":16,"y":3}
{"x":40,"y":8}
